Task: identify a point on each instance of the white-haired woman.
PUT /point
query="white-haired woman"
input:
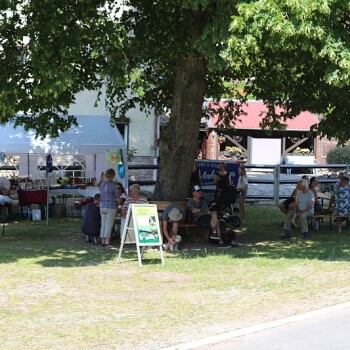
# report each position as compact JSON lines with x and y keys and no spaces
{"x":134,"y":197}
{"x":304,"y":208}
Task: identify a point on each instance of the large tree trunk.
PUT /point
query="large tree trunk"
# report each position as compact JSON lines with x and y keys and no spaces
{"x":179,"y":142}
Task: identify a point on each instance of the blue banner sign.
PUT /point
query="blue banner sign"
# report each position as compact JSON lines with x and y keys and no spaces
{"x":208,"y":168}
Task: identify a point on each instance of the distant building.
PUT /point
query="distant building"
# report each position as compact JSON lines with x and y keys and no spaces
{"x":264,"y":146}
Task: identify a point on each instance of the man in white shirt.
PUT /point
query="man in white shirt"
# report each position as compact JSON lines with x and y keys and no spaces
{"x":304,"y":208}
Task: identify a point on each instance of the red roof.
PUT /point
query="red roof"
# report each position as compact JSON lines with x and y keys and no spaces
{"x":255,"y":111}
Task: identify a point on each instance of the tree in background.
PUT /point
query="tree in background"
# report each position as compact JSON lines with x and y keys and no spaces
{"x":170,"y":55}
{"x":339,"y":155}
{"x":298,"y":53}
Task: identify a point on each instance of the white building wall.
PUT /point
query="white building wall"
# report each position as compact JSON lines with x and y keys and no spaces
{"x":141,"y":127}
{"x":141,"y":133}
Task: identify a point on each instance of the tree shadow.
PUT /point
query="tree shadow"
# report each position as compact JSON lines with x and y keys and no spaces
{"x":59,"y":244}
{"x":62,"y":244}
{"x":323,"y":246}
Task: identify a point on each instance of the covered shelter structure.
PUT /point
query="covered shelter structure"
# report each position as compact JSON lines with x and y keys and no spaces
{"x":261,"y":146}
{"x":92,"y":138}
{"x":94,"y":144}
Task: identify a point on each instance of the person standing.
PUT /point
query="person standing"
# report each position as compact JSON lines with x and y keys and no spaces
{"x":242,"y":188}
{"x":223,"y":183}
{"x":108,"y":206}
{"x":342,"y":201}
{"x":196,"y":178}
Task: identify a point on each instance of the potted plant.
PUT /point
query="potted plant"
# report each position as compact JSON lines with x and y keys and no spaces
{"x":301,"y":151}
{"x":233,"y":151}
{"x":300,"y":156}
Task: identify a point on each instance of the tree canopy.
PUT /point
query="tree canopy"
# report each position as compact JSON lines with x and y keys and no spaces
{"x":299,"y":55}
{"x":163,"y":54}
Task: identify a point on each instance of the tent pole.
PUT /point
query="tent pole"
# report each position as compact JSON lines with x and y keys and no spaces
{"x":28,"y":168}
{"x":125,"y":156}
{"x":48,"y":197}
{"x":95,"y":169}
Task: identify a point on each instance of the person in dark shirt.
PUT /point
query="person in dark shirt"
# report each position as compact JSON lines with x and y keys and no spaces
{"x":91,"y":224}
{"x":196,"y":178}
{"x":223,"y":183}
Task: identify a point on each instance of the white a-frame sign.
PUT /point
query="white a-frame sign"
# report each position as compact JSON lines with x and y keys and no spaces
{"x":142,"y":228}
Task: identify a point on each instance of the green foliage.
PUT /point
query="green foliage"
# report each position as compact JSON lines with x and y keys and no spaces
{"x":168,"y":55}
{"x":296,"y":51}
{"x":299,"y":55}
{"x":339,"y":155}
{"x":63,"y":56}
{"x":131,"y":153}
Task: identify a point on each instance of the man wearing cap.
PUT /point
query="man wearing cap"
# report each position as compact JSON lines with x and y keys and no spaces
{"x":202,"y":214}
{"x":170,"y":218}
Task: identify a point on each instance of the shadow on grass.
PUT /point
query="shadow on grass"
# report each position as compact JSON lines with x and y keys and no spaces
{"x":62,"y":244}
{"x":296,"y":248}
{"x":261,"y":239}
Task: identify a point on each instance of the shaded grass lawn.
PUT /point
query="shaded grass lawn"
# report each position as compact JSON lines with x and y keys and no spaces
{"x":56,"y":292}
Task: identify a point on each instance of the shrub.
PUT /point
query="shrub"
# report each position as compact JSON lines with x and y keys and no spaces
{"x":339,"y":155}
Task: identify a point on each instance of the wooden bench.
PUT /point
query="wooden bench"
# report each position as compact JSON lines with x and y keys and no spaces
{"x":330,"y":216}
{"x":194,"y":233}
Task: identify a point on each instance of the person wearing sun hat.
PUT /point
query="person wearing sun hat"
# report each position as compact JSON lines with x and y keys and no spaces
{"x":170,"y":219}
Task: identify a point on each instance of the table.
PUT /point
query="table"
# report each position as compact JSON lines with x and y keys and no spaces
{"x":29,"y":197}
{"x":64,"y":191}
{"x":88,"y":192}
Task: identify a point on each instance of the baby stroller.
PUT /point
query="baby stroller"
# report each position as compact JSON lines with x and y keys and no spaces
{"x":224,"y":205}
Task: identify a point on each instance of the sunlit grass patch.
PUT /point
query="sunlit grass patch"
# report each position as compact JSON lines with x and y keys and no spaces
{"x":58,"y":292}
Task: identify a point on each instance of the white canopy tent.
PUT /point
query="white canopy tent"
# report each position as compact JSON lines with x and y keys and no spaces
{"x":93,"y":137}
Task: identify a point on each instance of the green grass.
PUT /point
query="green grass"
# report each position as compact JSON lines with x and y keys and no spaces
{"x":56,"y":292}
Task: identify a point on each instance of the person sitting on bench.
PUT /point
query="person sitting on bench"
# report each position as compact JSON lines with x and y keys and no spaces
{"x":317,"y":206}
{"x":202,"y":215}
{"x":304,"y":208}
{"x":289,"y":203}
